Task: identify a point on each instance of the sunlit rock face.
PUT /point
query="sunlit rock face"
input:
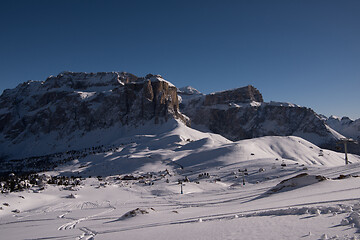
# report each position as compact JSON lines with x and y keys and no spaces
{"x":241,"y":114}
{"x":83,"y":102}
{"x":240,"y":95}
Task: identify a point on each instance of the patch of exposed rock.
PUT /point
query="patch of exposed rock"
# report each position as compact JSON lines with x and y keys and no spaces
{"x":240,"y":95}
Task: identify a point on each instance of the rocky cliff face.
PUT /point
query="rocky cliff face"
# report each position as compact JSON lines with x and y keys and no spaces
{"x":84,"y":102}
{"x":241,"y":113}
{"x":240,"y":95}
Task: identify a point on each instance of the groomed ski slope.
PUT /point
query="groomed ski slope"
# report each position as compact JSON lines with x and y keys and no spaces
{"x":215,"y":203}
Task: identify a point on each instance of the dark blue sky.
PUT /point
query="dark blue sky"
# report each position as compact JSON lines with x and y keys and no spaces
{"x":305,"y":52}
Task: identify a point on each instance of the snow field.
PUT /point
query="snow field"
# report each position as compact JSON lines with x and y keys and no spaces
{"x":228,"y":191}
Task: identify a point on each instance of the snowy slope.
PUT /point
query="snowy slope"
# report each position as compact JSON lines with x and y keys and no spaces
{"x":174,"y":144}
{"x":215,"y":203}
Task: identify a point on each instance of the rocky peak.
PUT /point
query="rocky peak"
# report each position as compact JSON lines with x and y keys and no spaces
{"x":346,"y":121}
{"x":79,"y":103}
{"x":241,"y":113}
{"x":334,"y":117}
{"x":83,"y":81}
{"x":188,"y":90}
{"x":239,"y":95}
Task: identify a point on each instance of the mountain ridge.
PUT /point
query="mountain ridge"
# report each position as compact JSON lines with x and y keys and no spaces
{"x":235,"y":118}
{"x":74,"y":104}
{"x":81,"y":108}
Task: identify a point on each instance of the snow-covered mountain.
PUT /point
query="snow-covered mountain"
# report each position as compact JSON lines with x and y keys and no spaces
{"x":345,"y":126}
{"x":241,"y":114}
{"x":74,"y":111}
{"x":115,"y":159}
{"x":78,"y":110}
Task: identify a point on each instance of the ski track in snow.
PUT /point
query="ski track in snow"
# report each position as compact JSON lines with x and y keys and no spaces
{"x":353,"y":216}
{"x":306,"y":209}
{"x":312,"y":209}
{"x":87,"y":233}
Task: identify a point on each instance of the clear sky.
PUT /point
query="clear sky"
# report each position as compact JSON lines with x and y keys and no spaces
{"x":305,"y":52}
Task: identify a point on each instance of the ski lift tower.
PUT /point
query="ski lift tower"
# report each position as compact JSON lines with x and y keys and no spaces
{"x":345,"y":141}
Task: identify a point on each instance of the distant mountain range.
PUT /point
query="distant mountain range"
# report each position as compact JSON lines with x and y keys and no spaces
{"x":345,"y":126}
{"x":73,"y":111}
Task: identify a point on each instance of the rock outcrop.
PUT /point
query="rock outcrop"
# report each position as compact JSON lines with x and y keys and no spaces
{"x":83,"y":102}
{"x":241,"y":114}
{"x":240,"y":95}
